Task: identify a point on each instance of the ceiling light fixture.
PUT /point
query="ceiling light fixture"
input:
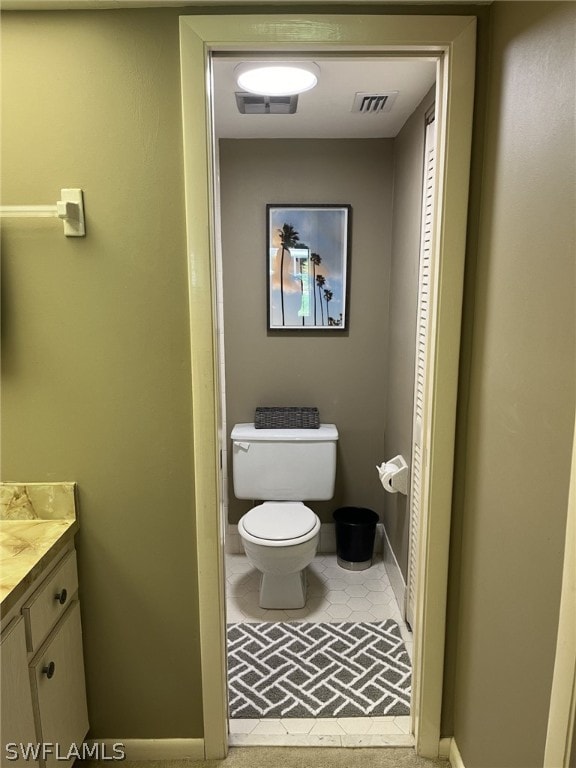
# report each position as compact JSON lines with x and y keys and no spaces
{"x":272,"y":78}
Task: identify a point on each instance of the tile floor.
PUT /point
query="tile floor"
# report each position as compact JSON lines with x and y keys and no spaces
{"x":334,"y":594}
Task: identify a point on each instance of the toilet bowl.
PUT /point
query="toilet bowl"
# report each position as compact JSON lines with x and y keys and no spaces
{"x":280,"y":540}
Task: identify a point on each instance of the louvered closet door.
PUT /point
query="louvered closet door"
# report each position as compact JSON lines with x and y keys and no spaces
{"x":420,"y":367}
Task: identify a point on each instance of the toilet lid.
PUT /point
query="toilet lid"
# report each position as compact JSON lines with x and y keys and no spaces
{"x":285,"y":520}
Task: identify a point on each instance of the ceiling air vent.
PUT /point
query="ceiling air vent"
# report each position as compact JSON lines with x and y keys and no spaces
{"x":251,"y":104}
{"x":374,"y":103}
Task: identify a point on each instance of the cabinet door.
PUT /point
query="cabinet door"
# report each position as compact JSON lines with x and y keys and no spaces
{"x":17,"y":715}
{"x":57,"y":675}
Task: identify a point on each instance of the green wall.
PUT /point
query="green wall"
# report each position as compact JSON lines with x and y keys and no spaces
{"x":95,"y":343}
{"x":518,"y":428}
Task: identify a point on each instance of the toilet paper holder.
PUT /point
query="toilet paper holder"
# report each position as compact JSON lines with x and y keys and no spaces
{"x":394,"y":475}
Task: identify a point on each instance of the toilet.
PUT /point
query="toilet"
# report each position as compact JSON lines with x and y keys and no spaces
{"x":282,"y":468}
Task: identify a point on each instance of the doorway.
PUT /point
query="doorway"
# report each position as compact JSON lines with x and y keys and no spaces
{"x":452,"y":40}
{"x":325,"y":153}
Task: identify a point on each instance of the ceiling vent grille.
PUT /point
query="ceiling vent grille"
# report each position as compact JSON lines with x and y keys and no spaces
{"x":251,"y":104}
{"x":374,"y":103}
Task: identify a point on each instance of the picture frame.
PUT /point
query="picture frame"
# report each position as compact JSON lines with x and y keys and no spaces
{"x":307,"y":258}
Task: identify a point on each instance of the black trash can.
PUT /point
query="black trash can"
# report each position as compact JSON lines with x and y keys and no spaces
{"x":355,"y":533}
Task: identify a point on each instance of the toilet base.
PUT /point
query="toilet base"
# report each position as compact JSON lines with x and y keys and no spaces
{"x":282,"y":591}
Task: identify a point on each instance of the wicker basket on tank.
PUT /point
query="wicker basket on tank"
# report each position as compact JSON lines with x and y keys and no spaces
{"x":286,"y":418}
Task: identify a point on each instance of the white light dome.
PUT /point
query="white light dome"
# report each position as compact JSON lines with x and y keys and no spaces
{"x":270,"y":78}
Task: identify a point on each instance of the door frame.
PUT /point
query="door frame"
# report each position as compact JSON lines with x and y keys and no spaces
{"x":453,"y":40}
{"x":562,"y":713}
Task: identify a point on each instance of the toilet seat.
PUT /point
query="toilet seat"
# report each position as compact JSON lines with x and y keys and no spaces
{"x":279,"y":521}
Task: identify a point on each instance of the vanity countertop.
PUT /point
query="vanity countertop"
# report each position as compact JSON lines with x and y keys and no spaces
{"x":36,"y":521}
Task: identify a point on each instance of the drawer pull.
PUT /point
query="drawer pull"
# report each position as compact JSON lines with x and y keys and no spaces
{"x":61,"y":596}
{"x":49,"y":670}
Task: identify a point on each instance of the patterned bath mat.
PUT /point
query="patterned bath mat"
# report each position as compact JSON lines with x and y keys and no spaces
{"x":301,"y":669}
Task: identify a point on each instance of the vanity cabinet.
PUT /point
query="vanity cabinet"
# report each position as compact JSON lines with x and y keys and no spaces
{"x":44,"y":693}
{"x":17,"y":713}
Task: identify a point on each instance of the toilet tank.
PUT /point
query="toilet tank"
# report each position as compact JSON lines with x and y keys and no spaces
{"x":284,"y":464}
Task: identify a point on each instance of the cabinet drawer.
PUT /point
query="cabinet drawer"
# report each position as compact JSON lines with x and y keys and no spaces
{"x":50,"y":600}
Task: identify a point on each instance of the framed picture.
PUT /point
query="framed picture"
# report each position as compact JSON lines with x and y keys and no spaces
{"x":307,"y":266}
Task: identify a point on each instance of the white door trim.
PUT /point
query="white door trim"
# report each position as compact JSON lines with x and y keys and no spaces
{"x":452,"y":39}
{"x":563,"y":698}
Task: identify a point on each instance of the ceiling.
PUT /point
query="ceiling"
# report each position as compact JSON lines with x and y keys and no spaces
{"x":326,"y":110}
{"x":49,"y":5}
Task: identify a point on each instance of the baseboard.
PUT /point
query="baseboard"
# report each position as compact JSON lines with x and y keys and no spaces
{"x":444,"y":749}
{"x":454,"y":756}
{"x":232,"y":541}
{"x":327,"y":545}
{"x":394,"y":573}
{"x":148,"y":749}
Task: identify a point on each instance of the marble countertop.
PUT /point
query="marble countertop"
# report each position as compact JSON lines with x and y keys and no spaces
{"x":36,"y":521}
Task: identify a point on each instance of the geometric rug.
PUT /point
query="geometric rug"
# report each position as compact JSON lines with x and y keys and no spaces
{"x":304,"y":669}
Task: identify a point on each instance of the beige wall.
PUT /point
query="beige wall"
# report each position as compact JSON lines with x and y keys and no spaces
{"x":343,"y":374}
{"x":521,"y":392}
{"x":406,"y":232}
{"x":96,"y":372}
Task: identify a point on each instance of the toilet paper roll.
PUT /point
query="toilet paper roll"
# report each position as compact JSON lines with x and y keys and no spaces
{"x":387,"y":472}
{"x":387,"y":477}
{"x":394,"y":475}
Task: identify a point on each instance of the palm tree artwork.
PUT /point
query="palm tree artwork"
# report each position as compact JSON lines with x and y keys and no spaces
{"x":307,"y":263}
{"x":328,"y":296}
{"x":303,"y":277}
{"x":288,"y":239}
{"x":316,"y":260}
{"x":321,"y":282}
